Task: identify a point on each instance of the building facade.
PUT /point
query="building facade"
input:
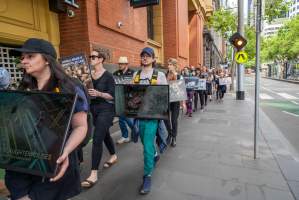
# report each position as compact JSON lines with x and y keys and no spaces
{"x":174,"y":28}
{"x":294,"y":8}
{"x":20,"y":20}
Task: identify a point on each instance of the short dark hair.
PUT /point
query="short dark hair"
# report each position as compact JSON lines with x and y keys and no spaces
{"x":100,"y":54}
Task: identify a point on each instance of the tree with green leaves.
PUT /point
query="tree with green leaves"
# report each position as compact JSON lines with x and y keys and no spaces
{"x":285,"y":44}
{"x":275,"y":9}
{"x":224,"y":22}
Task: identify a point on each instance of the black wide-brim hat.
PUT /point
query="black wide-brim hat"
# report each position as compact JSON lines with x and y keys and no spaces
{"x":35,"y":45}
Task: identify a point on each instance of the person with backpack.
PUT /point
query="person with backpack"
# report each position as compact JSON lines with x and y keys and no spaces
{"x":124,"y":73}
{"x":42,"y":72}
{"x":102,"y":108}
{"x":148,"y":128}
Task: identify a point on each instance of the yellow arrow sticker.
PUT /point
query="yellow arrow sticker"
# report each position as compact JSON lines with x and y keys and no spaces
{"x":241,"y":57}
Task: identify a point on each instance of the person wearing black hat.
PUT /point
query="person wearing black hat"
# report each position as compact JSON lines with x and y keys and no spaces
{"x":42,"y":72}
{"x":148,"y":128}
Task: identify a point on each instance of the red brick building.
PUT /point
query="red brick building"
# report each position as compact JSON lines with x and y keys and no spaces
{"x":174,"y":28}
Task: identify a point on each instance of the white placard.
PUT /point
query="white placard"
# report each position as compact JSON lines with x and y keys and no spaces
{"x":222,"y":81}
{"x":201,"y":84}
{"x":177,"y":90}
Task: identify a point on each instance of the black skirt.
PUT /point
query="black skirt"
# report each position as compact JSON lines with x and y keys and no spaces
{"x":20,"y":184}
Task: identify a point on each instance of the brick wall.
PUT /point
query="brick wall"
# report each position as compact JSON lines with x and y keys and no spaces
{"x":129,"y":39}
{"x":195,"y":38}
{"x":95,"y":25}
{"x":175,"y":29}
{"x":74,"y":31}
{"x":170,"y":28}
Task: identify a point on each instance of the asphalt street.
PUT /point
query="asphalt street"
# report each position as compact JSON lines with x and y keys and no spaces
{"x":280,"y":101}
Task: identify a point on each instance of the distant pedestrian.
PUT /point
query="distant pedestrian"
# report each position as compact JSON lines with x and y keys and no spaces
{"x":172,"y":124}
{"x":190,"y":93}
{"x":125,"y":73}
{"x":221,"y":86}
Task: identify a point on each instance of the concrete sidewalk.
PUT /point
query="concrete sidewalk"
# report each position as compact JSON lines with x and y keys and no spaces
{"x":212,"y":161}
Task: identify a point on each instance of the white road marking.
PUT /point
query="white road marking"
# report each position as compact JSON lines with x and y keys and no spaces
{"x":287,"y":96}
{"x":268,"y":90}
{"x":265,"y":96}
{"x":294,"y":102}
{"x":286,"y":112}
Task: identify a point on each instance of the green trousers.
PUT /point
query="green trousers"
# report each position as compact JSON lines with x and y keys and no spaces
{"x":147,"y":131}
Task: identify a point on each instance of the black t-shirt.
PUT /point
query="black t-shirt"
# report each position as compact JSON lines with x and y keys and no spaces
{"x":104,"y":84}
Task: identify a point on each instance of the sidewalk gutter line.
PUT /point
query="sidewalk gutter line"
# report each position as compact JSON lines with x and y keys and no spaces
{"x":263,"y":115}
{"x":281,"y":171}
{"x":276,"y":79}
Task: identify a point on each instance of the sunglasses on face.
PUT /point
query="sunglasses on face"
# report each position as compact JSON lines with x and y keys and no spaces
{"x":93,"y":57}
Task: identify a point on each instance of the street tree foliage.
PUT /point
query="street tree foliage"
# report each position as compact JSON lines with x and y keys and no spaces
{"x":224,"y":22}
{"x":284,"y":45}
{"x":275,"y":8}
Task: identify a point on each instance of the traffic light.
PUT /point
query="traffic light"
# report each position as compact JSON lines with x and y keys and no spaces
{"x":238,"y":41}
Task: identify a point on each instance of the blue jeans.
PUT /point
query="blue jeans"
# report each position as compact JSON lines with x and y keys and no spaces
{"x":123,"y":122}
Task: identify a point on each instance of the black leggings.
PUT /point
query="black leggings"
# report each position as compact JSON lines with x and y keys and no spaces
{"x":202,"y":97}
{"x":172,"y":127}
{"x":195,"y":99}
{"x":102,"y":122}
{"x":220,"y":94}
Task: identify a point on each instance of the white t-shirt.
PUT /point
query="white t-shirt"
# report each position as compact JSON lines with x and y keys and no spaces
{"x":146,"y":76}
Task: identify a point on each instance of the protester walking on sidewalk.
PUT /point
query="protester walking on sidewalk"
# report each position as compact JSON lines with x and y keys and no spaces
{"x":102,"y":108}
{"x":43,"y":73}
{"x":210,"y":80}
{"x":124,"y":73}
{"x":221,"y":86}
{"x":190,"y":93}
{"x":148,"y":128}
{"x":174,"y":107}
{"x":196,"y":73}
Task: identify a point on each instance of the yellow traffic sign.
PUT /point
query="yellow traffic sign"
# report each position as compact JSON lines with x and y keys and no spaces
{"x":241,"y":57}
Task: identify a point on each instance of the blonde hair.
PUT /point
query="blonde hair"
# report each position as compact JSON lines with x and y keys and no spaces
{"x":174,"y":62}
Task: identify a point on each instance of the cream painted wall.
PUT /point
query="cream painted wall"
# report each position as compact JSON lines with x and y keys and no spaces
{"x":23,"y":19}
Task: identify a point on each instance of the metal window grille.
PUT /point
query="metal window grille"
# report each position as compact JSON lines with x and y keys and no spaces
{"x":7,"y":61}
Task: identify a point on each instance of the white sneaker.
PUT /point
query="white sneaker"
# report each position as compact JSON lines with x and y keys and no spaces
{"x":123,"y":140}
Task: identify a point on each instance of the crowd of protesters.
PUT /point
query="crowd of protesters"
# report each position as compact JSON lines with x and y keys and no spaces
{"x":216,"y":85}
{"x":42,"y":72}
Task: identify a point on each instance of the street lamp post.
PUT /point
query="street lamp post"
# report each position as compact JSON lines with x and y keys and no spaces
{"x":240,"y":93}
{"x":257,"y":71}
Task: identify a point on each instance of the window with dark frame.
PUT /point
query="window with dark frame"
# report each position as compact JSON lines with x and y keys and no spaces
{"x":150,"y":22}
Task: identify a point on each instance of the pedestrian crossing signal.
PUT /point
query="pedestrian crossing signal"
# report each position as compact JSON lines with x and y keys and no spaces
{"x":238,"y":41}
{"x":241,"y":57}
